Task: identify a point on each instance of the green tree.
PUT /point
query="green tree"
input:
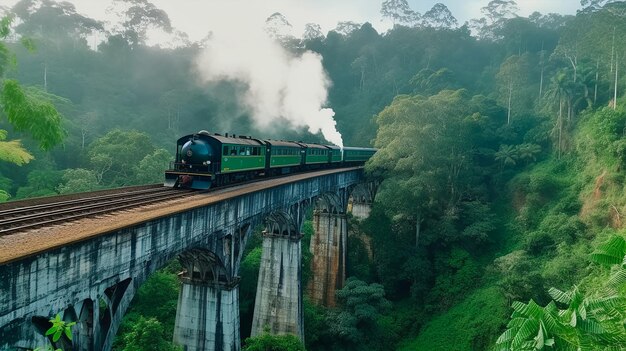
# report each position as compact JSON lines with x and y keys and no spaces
{"x":26,"y":110}
{"x":138,"y":17}
{"x":147,"y":335}
{"x":362,"y":306}
{"x":439,"y":16}
{"x":507,"y":155}
{"x":40,"y":183}
{"x":78,"y":180}
{"x":312,"y":31}
{"x":557,"y":95}
{"x":157,"y":298}
{"x":115,"y":157}
{"x":496,"y":13}
{"x":268,"y":342}
{"x":427,"y":150}
{"x":513,"y":86}
{"x":152,"y":167}
{"x":398,"y":11}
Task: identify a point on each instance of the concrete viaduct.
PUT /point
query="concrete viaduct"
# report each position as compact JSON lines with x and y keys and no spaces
{"x":92,"y":277}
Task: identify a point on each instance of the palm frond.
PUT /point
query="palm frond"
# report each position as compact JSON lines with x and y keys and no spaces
{"x":617,"y":279}
{"x":560,"y":296}
{"x":611,"y":252}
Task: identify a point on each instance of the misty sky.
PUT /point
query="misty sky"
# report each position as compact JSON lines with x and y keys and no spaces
{"x":198,"y":17}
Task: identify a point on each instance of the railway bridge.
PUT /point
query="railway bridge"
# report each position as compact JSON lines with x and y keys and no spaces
{"x":88,"y":270}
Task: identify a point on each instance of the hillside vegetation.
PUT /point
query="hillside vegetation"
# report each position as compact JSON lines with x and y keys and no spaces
{"x":499,"y":221}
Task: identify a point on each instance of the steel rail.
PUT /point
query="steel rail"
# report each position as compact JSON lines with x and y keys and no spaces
{"x":52,"y":205}
{"x":86,"y":211}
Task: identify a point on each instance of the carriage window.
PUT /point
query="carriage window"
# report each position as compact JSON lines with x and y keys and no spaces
{"x":225,"y":150}
{"x":247,"y":150}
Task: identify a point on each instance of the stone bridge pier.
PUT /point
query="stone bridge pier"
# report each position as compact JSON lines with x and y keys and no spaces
{"x":328,"y":246}
{"x":207,"y":316}
{"x":278,"y":304}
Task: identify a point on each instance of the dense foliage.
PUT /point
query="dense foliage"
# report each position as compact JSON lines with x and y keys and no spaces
{"x":501,"y":156}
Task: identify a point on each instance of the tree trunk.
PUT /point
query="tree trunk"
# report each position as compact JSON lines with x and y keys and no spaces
{"x":595,"y":89}
{"x":418,"y":227}
{"x":615,"y":88}
{"x":612,"y":49}
{"x":541,"y":78}
{"x":508,"y":117}
{"x":541,"y":81}
{"x":45,"y":77}
{"x":560,"y":125}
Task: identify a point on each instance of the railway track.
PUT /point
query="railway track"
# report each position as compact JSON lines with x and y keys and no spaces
{"x":32,"y":214}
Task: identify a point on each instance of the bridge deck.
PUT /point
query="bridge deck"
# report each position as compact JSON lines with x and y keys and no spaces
{"x":19,"y":245}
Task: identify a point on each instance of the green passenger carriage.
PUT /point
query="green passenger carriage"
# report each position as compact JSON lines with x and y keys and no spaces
{"x":284,"y":154}
{"x":357,"y":154}
{"x":316,"y":154}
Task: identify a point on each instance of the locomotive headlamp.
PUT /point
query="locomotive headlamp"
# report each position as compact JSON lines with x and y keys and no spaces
{"x":206,"y":163}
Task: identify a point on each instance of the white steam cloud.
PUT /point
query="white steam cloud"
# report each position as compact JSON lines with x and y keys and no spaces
{"x":279,"y":84}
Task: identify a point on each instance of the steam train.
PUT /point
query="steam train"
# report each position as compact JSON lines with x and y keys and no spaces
{"x":204,"y":160}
